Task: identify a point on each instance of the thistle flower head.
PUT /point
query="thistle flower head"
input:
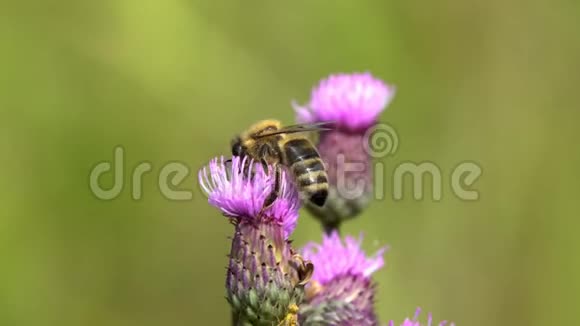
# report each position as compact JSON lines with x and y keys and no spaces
{"x":415,"y":321}
{"x":334,"y":258}
{"x":353,"y":101}
{"x":341,"y":290}
{"x":263,"y":282}
{"x":240,"y":189}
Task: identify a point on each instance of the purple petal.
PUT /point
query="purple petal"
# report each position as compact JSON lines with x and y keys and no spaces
{"x":354,"y":101}
{"x":415,"y":320}
{"x":334,"y":258}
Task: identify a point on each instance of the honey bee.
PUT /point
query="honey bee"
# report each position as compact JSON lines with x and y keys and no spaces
{"x":271,"y":144}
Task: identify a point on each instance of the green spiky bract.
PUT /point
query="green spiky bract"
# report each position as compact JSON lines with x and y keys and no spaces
{"x":262,"y":280}
{"x":345,"y":301}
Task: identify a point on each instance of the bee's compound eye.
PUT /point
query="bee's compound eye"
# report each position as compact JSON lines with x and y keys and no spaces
{"x":237,"y":149}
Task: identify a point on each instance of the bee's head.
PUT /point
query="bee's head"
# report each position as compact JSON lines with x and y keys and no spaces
{"x":237,"y":147}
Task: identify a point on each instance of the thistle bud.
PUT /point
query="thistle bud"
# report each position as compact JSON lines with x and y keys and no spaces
{"x":341,"y":291}
{"x":353,"y":102}
{"x":263,"y":282}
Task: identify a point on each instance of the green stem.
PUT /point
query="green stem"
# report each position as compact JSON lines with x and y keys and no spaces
{"x":234,"y":319}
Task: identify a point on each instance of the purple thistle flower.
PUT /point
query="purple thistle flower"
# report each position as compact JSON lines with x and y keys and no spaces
{"x":263,"y":283}
{"x":335,"y":258}
{"x":341,"y":288}
{"x":353,"y":102}
{"x":238,"y":196}
{"x":415,"y":321}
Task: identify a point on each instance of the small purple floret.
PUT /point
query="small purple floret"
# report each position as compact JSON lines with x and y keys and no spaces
{"x":240,"y":189}
{"x":353,"y":101}
{"x":334,"y":258}
{"x":415,"y":321}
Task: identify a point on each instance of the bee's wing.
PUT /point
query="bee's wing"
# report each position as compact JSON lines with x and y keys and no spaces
{"x":303,"y":127}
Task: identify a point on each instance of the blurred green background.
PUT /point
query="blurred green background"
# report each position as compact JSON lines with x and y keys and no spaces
{"x":494,"y":82}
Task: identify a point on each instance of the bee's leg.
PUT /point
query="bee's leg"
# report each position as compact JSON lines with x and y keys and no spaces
{"x":230,"y":168}
{"x":265,"y":167}
{"x":276,"y":190}
{"x":228,"y":164}
{"x":264,"y":152}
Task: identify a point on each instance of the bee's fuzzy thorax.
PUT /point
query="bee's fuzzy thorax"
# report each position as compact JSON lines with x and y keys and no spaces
{"x":261,"y":126}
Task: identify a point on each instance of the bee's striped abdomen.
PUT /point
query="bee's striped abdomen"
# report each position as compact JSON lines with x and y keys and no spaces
{"x":308,"y":169}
